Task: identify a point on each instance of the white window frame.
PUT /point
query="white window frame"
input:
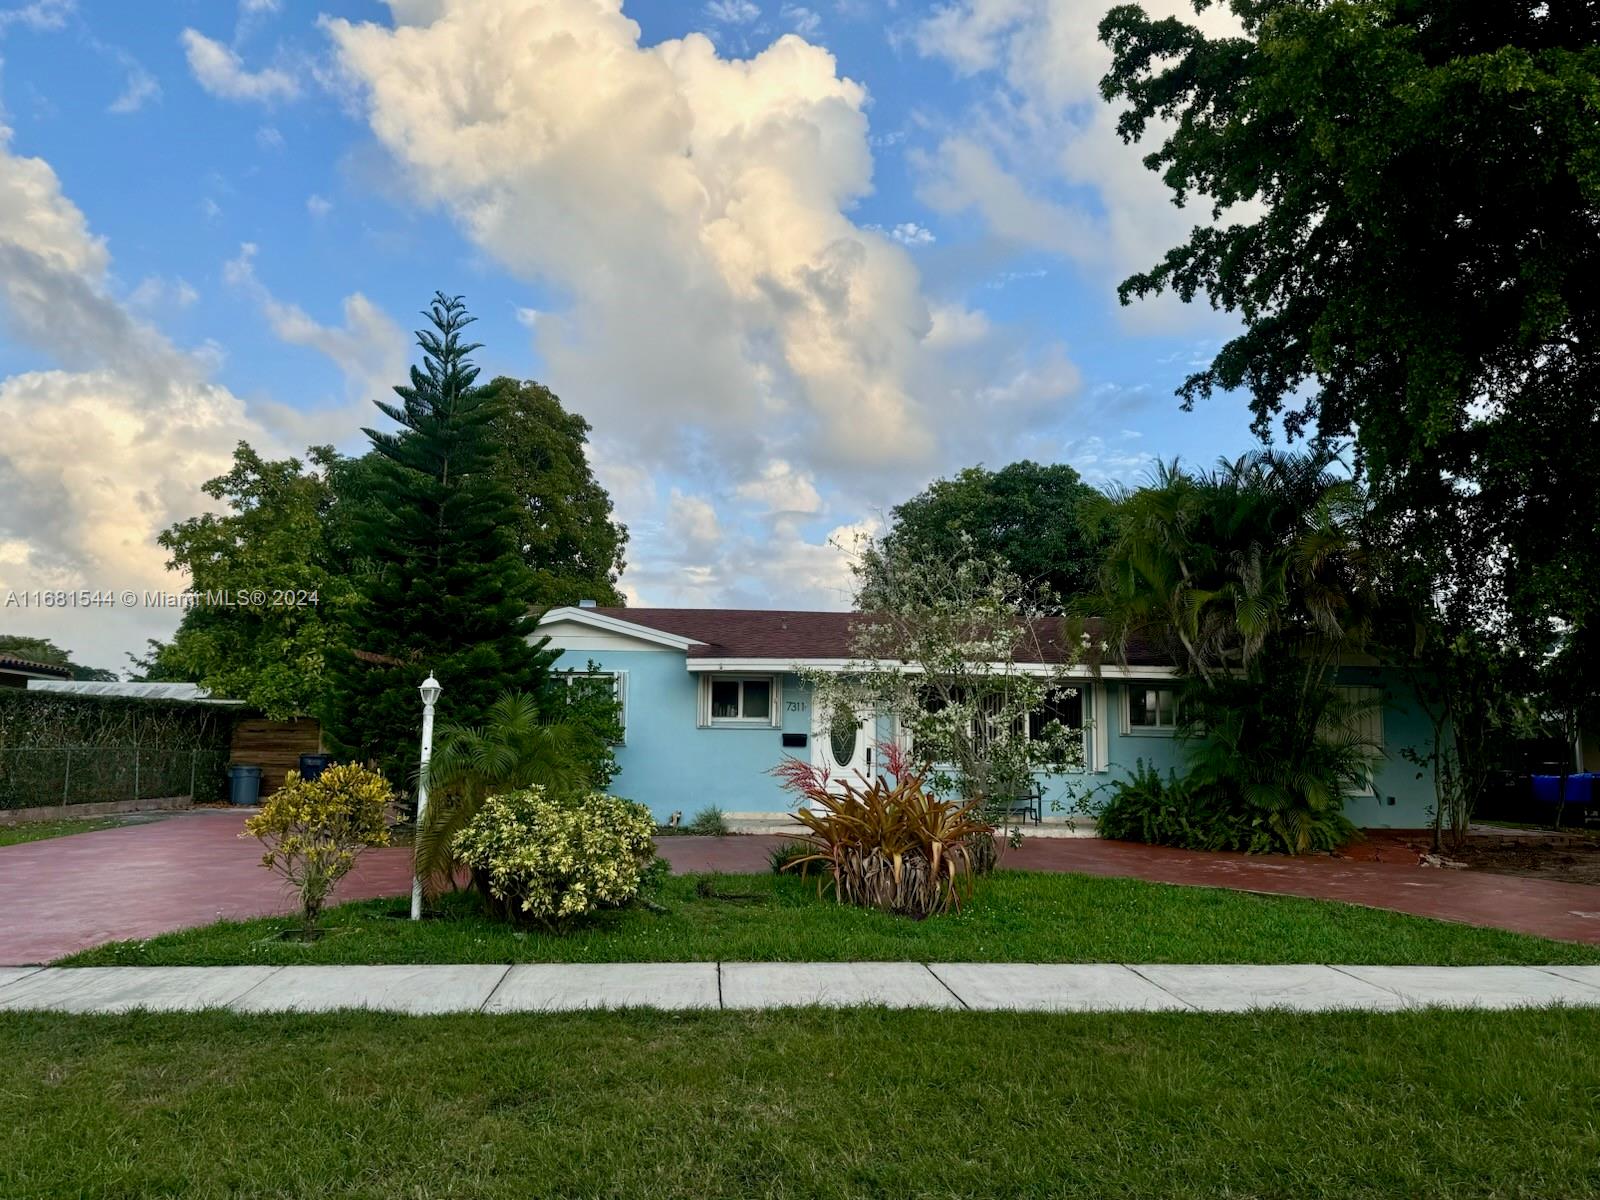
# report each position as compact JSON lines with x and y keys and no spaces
{"x":1169,"y":729}
{"x":619,"y":689}
{"x":774,"y":717}
{"x":1373,"y":731}
{"x":1086,"y":719}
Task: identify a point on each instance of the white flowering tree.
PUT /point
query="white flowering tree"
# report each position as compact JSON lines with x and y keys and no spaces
{"x":975,"y":677}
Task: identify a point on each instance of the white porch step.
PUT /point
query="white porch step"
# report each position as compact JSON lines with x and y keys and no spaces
{"x":784,"y":823}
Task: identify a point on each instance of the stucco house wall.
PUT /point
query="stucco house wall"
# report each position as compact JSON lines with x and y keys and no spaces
{"x":670,"y":763}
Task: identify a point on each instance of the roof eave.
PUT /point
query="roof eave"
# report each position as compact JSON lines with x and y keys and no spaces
{"x":594,"y":620}
{"x":836,"y":665}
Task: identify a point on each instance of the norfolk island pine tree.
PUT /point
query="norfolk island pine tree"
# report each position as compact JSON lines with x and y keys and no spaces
{"x":442,"y":587}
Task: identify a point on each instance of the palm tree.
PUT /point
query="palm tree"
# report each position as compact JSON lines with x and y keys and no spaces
{"x":1257,"y":574}
{"x":516,"y":747}
{"x":1265,"y":549}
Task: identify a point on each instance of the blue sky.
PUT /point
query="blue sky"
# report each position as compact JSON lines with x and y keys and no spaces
{"x":792,"y":262}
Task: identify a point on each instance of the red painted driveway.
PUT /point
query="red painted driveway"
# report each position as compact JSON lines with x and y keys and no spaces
{"x":1569,"y":911}
{"x":65,"y":894}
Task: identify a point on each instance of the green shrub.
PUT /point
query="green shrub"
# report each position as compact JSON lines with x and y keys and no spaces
{"x":549,"y":861}
{"x":1166,"y":811}
{"x":1281,"y":752}
{"x":785,"y":853}
{"x":519,"y":745}
{"x":315,"y":830}
{"x":708,"y":822}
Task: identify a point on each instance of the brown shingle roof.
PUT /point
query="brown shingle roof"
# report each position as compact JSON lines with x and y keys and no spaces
{"x":798,"y":636}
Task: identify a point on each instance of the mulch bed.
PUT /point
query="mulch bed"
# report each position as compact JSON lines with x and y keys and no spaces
{"x":1568,"y":856}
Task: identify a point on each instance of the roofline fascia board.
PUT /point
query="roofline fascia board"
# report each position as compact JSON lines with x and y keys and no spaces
{"x":587,"y":616}
{"x":789,"y":665}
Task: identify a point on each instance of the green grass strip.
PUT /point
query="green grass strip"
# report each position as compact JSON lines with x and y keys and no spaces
{"x":1014,"y":917}
{"x":803,"y":1104}
{"x":37,"y":831}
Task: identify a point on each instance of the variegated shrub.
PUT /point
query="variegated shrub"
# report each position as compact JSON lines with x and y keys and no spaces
{"x":314,"y":830}
{"x":549,"y":860}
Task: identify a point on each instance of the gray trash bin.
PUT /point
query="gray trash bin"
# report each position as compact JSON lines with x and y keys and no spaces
{"x":244,"y":784}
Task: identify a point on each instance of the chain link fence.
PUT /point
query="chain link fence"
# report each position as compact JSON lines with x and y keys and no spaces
{"x":41,"y":777}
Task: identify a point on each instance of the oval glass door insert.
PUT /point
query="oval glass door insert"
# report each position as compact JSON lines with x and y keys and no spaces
{"x":843,"y":736}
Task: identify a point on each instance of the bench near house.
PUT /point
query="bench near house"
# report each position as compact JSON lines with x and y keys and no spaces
{"x":711,"y":702}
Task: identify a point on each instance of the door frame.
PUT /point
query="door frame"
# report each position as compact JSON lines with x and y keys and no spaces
{"x":867,"y":744}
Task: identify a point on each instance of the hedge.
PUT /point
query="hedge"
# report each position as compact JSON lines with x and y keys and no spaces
{"x":59,"y":748}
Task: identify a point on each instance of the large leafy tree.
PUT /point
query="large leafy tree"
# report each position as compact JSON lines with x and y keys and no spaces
{"x":442,"y":585}
{"x":43,"y":650}
{"x":1406,"y":204}
{"x":564,"y":529}
{"x":1043,"y":521}
{"x":267,"y":552}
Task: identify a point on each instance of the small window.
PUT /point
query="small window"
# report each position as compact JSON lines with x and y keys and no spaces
{"x":612,"y":683}
{"x":1363,"y":720}
{"x":740,"y":701}
{"x":1152,"y":709}
{"x":1065,"y":706}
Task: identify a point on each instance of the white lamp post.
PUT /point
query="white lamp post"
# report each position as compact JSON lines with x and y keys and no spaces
{"x":430,"y":690}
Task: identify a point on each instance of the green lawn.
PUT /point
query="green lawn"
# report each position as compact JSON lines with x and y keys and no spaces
{"x":1015,"y":916}
{"x":36,"y":831}
{"x":803,"y":1104}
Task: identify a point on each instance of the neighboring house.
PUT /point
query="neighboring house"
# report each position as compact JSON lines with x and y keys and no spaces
{"x":19,"y":672}
{"x":711,"y":702}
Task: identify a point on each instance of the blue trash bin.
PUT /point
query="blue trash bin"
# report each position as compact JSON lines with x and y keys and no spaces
{"x":244,"y":784}
{"x":313,"y":765}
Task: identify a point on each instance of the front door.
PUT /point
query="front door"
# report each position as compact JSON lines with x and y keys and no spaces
{"x":844,"y":745}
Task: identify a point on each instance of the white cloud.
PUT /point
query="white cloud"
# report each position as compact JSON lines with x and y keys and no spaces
{"x":909,"y":233}
{"x":155,"y":292}
{"x":1043,"y":132}
{"x":107,"y":449}
{"x":692,"y":522}
{"x":369,"y":349}
{"x":687,"y":203}
{"x":732,"y":12}
{"x":804,"y":21}
{"x":720,"y":304}
{"x":41,"y":16}
{"x":139,"y":88}
{"x":780,"y":488}
{"x":955,"y":326}
{"x":318,"y":206}
{"x":221,"y":72}
{"x":965,"y":174}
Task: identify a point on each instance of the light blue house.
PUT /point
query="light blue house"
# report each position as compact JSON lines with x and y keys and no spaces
{"x":711,"y":702}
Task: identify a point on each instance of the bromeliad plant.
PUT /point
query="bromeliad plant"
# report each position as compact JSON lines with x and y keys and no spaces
{"x":887,"y":842}
{"x":315,"y":830}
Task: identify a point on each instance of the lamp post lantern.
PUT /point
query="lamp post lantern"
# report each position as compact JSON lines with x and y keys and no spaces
{"x":429,"y":690}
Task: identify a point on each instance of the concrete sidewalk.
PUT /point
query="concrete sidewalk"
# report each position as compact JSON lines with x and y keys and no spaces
{"x":553,"y":987}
